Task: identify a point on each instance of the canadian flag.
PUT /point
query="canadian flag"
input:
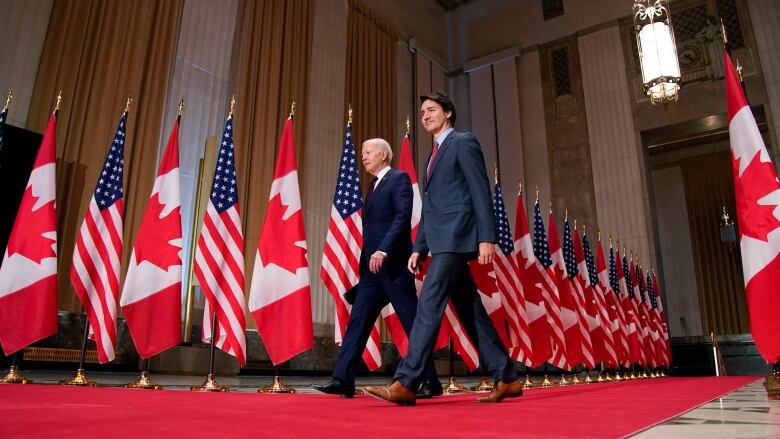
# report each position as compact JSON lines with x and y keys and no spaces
{"x":280,"y":297}
{"x":28,"y":274}
{"x":151,"y":296}
{"x":757,"y":193}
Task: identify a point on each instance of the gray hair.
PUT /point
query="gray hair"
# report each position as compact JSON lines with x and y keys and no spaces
{"x":383,"y":146}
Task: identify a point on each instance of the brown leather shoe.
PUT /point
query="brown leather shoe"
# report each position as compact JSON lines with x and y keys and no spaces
{"x":395,"y":393}
{"x":503,"y":390}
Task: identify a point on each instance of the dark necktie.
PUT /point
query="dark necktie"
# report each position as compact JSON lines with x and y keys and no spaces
{"x":430,"y":162}
{"x":371,"y":185}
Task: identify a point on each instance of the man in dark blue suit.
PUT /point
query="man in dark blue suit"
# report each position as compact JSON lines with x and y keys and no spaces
{"x":384,"y":278}
{"x":457,"y":225}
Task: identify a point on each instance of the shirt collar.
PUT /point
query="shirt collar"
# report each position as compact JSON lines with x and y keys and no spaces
{"x":381,"y":175}
{"x":443,"y":136}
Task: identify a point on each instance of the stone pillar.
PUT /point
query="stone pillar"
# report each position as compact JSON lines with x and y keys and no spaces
{"x":765,"y":16}
{"x":24,"y":25}
{"x":617,"y":158}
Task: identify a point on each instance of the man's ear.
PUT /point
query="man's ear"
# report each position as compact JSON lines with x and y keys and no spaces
{"x":448,"y":114}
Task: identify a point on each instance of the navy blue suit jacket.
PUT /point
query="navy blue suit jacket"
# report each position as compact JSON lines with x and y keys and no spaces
{"x":387,"y":224}
{"x":457,"y":212}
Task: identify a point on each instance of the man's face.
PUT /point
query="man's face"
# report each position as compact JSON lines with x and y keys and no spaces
{"x":433,"y":117}
{"x":373,"y":158}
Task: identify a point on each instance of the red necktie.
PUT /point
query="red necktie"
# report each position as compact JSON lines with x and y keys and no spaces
{"x":430,"y":162}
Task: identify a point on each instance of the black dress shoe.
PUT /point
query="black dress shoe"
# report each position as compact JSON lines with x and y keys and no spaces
{"x":336,"y":387}
{"x":429,"y":389}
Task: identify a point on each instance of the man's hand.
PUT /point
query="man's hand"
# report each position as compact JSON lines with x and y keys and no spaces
{"x":414,"y":263}
{"x":377,"y":259}
{"x":486,"y":251}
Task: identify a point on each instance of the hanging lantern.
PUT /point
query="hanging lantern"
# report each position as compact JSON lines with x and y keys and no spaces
{"x":657,"y":50}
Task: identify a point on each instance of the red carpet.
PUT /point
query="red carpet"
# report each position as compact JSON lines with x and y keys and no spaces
{"x":596,"y":410}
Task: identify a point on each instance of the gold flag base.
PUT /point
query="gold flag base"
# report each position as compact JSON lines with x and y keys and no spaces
{"x":576,"y":379}
{"x":546,"y":382}
{"x":607,"y":378}
{"x":772,"y":385}
{"x":644,"y":374}
{"x":633,"y":376}
{"x":528,"y":384}
{"x":210,"y":385}
{"x":563,"y":381}
{"x":14,"y":377}
{"x":618,"y":376}
{"x":663,"y":374}
{"x":483,"y":386}
{"x":453,"y":387}
{"x":143,"y":382}
{"x":277,"y":386}
{"x":80,"y":379}
{"x":588,"y":379}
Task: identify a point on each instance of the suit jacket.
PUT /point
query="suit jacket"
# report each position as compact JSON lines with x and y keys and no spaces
{"x":387,"y":218}
{"x":457,"y":212}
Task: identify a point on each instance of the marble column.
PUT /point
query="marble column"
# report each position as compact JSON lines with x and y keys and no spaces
{"x":24,"y":25}
{"x":765,"y":17}
{"x":617,"y":157}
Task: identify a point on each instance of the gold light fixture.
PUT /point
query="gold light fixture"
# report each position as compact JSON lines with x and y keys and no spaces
{"x":657,"y":50}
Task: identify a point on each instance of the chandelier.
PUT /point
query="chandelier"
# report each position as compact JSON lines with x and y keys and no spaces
{"x":657,"y":50}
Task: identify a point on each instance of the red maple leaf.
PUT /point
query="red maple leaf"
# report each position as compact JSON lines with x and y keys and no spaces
{"x":486,"y":283}
{"x":27,"y":237}
{"x":757,"y":181}
{"x":277,"y":243}
{"x":153,"y":242}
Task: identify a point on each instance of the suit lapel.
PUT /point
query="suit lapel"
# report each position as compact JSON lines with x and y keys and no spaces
{"x":379,"y":186}
{"x":443,"y":148}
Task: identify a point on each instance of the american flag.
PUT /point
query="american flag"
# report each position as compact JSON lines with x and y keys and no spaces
{"x":509,"y":286}
{"x":637,"y":354}
{"x":340,"y":271}
{"x":98,"y":250}
{"x":606,"y":349}
{"x":219,"y":256}
{"x":650,"y":335}
{"x":655,"y":318}
{"x":619,"y":330}
{"x":552,"y":295}
{"x":662,"y":319}
{"x":576,"y":280}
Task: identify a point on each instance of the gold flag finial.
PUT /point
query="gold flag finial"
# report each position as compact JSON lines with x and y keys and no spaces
{"x":723,"y":32}
{"x":575,"y":224}
{"x":292,"y":109}
{"x":565,"y":215}
{"x":128,"y":102}
{"x":408,"y":125}
{"x":519,"y":186}
{"x":495,"y":171}
{"x":8,"y":99}
{"x":537,"y":194}
{"x":59,"y":101}
{"x":232,"y":105}
{"x":598,"y":234}
{"x":584,"y":228}
{"x":349,"y":115}
{"x":739,"y":70}
{"x":180,"y":111}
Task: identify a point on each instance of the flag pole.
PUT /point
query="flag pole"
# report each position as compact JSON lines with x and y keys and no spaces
{"x":8,"y":100}
{"x":453,"y":386}
{"x":277,"y":385}
{"x":80,"y":379}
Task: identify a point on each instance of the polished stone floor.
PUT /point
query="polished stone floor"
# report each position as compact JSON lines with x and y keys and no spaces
{"x":744,"y":413}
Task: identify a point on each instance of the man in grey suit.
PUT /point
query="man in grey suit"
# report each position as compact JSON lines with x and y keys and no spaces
{"x":457,"y":225}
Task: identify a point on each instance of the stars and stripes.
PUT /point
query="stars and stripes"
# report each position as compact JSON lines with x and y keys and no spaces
{"x":343,"y":246}
{"x":219,"y":256}
{"x":655,"y":320}
{"x":534,"y":280}
{"x":633,"y":321}
{"x":509,"y":285}
{"x":552,"y":299}
{"x":648,"y":330}
{"x":615,"y":305}
{"x":98,"y":249}
{"x":605,"y":349}
{"x":577,"y":286}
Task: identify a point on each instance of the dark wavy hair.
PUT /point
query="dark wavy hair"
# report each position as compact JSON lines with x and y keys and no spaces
{"x":444,"y":101}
